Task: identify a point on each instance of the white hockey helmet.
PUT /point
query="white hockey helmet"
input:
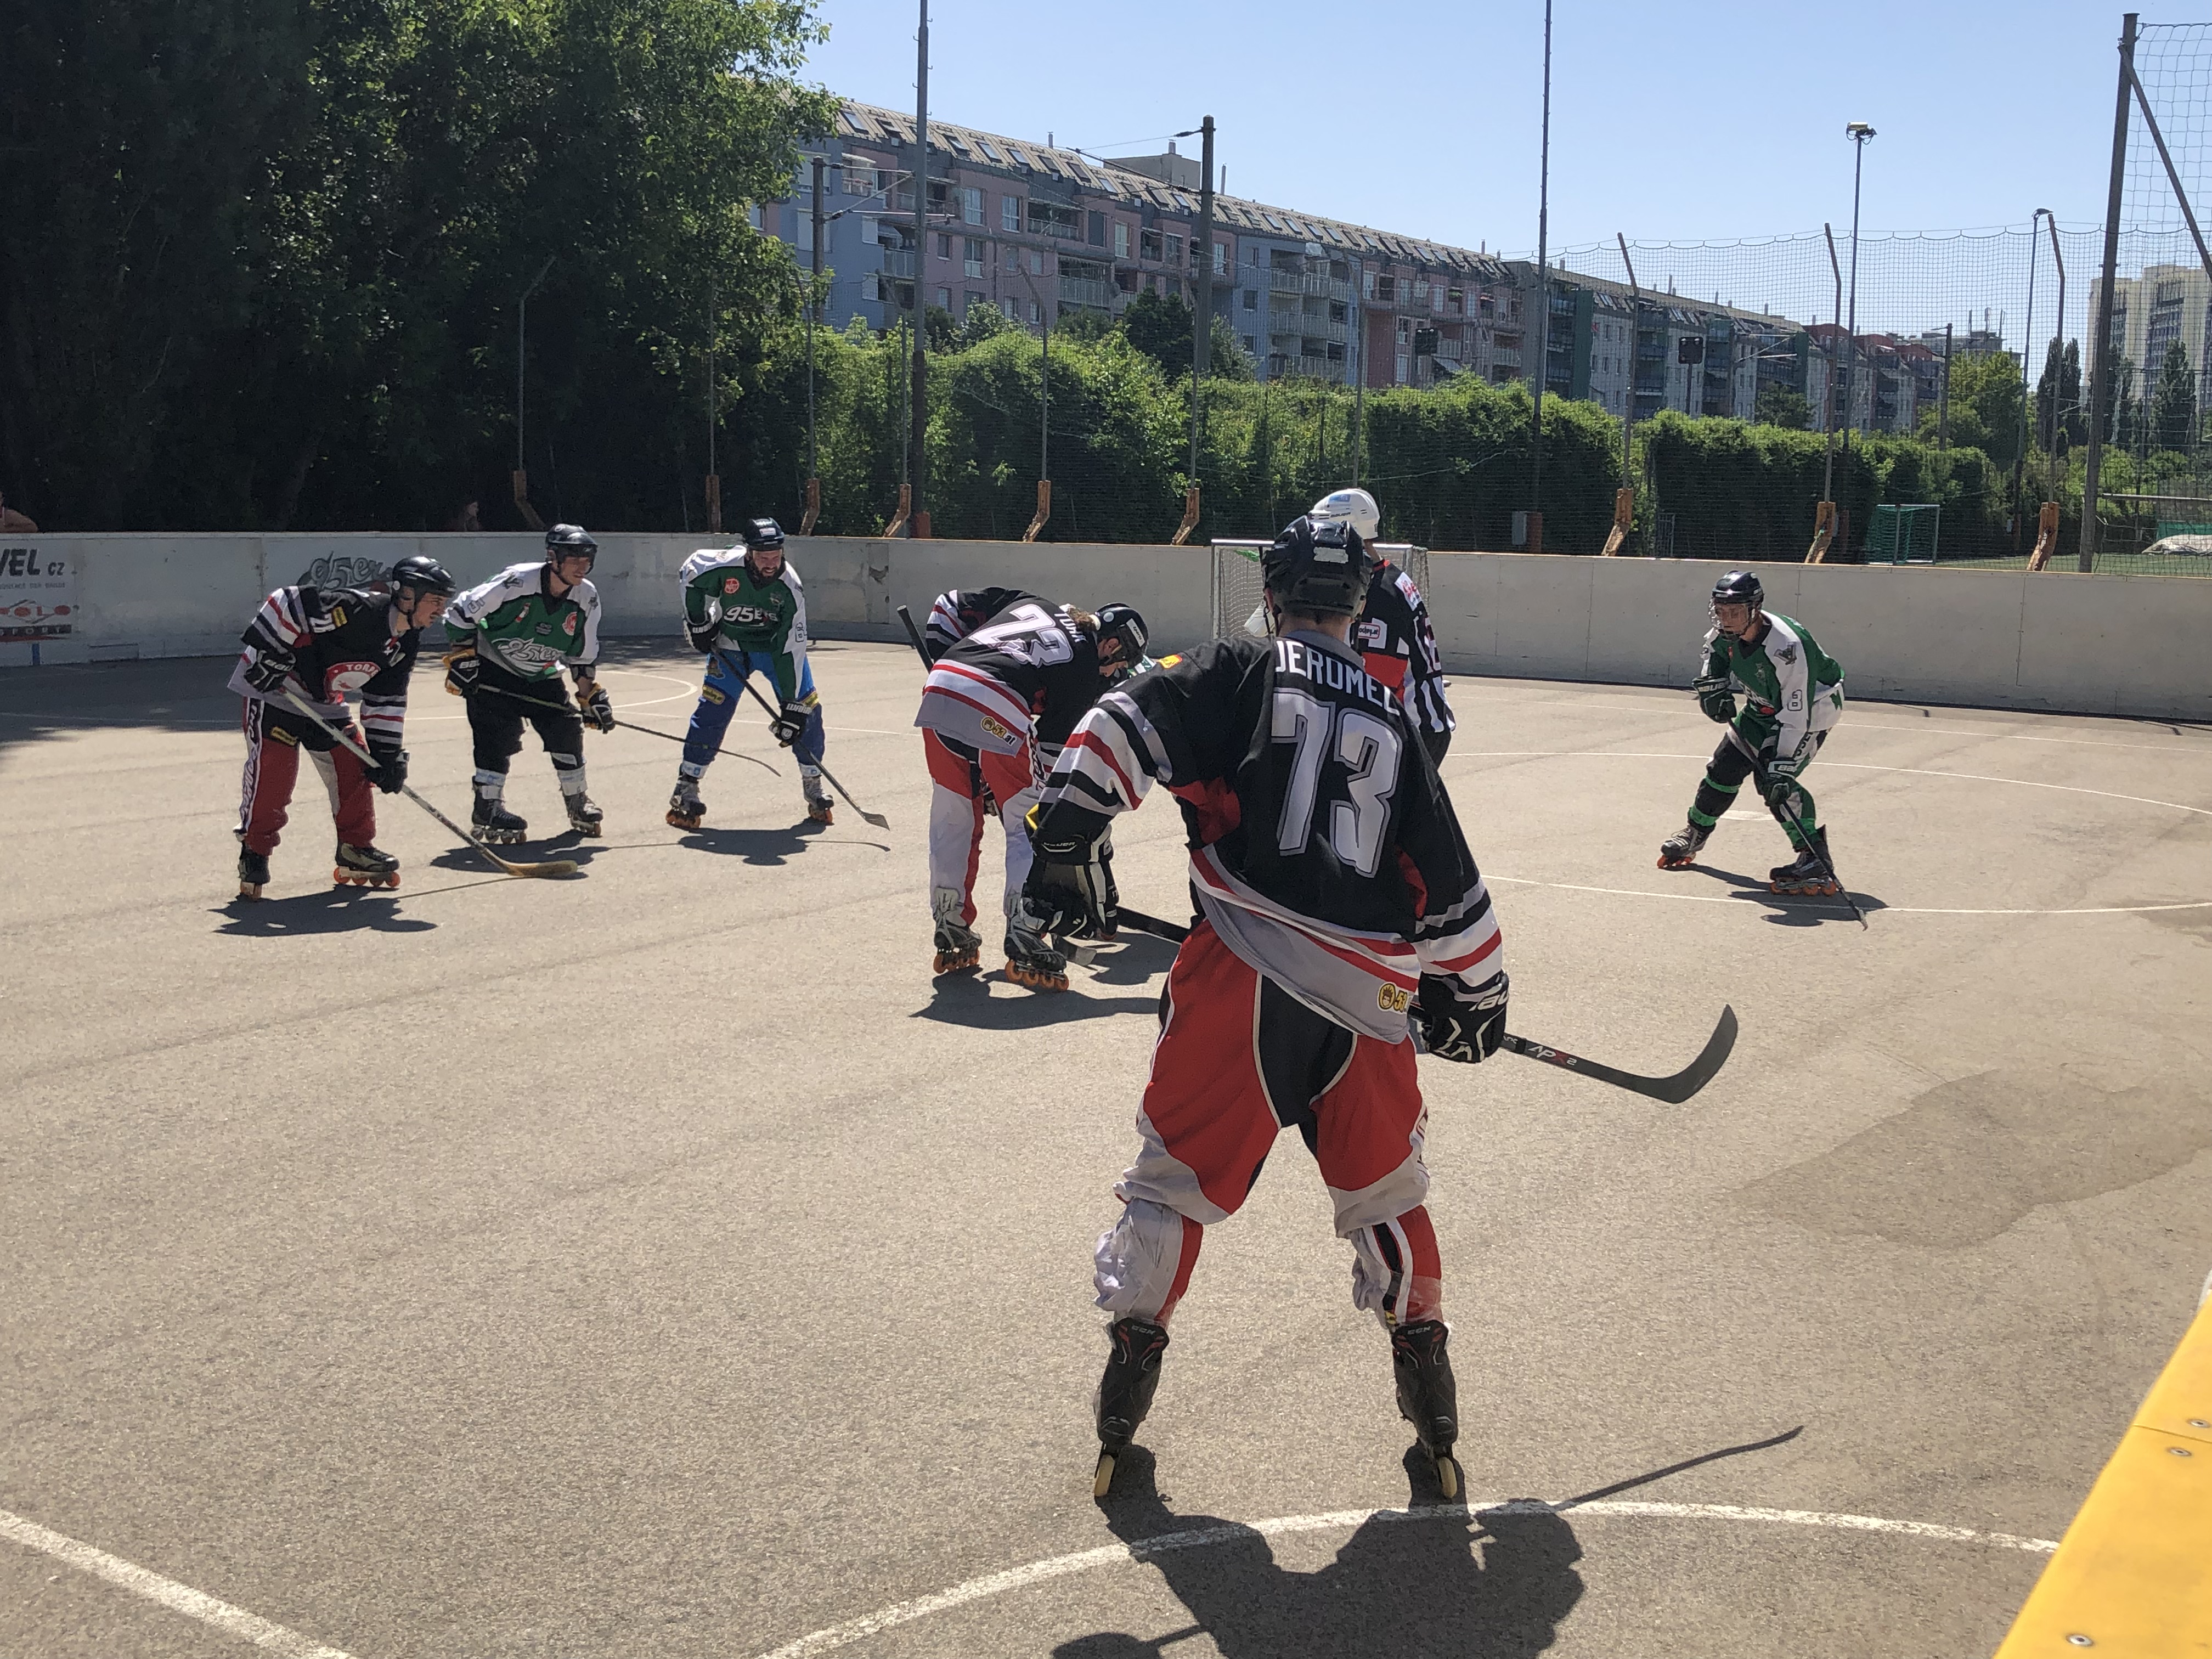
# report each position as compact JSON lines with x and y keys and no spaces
{"x":1355,"y":505}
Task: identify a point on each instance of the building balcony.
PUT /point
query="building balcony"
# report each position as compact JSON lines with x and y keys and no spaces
{"x":1085,"y":291}
{"x":899,"y":262}
{"x":1321,"y":368}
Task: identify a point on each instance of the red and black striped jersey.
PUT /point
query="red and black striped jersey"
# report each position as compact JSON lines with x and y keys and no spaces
{"x":1323,"y":848}
{"x":959,"y":611}
{"x":342,"y":643}
{"x":1030,"y":656}
{"x":1394,"y":637}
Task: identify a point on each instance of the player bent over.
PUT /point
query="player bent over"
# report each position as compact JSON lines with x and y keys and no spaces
{"x":995,"y":711}
{"x":745,"y":609}
{"x":1392,"y":634}
{"x":1793,"y":697}
{"x":1337,"y":897}
{"x":323,"y":645}
{"x":511,"y":638}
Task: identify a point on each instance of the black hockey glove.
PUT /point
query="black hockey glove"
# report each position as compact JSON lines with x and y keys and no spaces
{"x":790,"y":723}
{"x":387,"y":767}
{"x":462,"y":668}
{"x":1716,"y":699}
{"x":269,"y":669}
{"x":1458,"y":1023}
{"x":595,"y":706}
{"x":701,"y":635}
{"x":1070,"y":888}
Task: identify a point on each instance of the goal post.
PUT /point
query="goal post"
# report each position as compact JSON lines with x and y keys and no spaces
{"x":1238,"y":590}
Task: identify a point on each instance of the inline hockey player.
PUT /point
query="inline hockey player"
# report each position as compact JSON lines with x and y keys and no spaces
{"x":1393,"y":634}
{"x":511,"y":638}
{"x":1793,"y":696}
{"x":959,"y":612}
{"x":1338,"y":898}
{"x":745,"y":609}
{"x":323,"y":645}
{"x":997,"y":707}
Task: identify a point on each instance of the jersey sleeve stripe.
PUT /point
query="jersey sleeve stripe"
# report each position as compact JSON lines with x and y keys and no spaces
{"x":1143,"y":737}
{"x":979,"y":692}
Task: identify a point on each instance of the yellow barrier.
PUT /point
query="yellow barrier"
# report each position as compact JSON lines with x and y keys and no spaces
{"x":2132,"y":1578}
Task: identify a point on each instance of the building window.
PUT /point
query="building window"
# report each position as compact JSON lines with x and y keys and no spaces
{"x":1037,"y":266}
{"x":1252,"y":345}
{"x":1251,"y":299}
{"x":1221,"y":258}
{"x":943,"y":249}
{"x":1175,"y":287}
{"x":973,"y":300}
{"x":972,"y":247}
{"x":1175,"y":249}
{"x":1126,"y":281}
{"x":868,"y":289}
{"x":1009,"y":310}
{"x":1386,"y":288}
{"x":1013,"y":262}
{"x":945,"y":299}
{"x":1121,"y":240}
{"x":1405,"y":369}
{"x":1033,"y":310}
{"x":1456,"y":301}
{"x":867,"y":230}
{"x":1148,"y":245}
{"x":1009,"y":212}
{"x":1097,"y":227}
{"x":752,"y":215}
{"x":971,"y":206}
{"x":1366,"y":284}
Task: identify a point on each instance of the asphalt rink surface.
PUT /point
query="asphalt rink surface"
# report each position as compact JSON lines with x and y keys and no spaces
{"x":655,"y":1262}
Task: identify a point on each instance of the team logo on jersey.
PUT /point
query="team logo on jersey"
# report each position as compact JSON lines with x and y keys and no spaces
{"x":1391,"y":999}
{"x":997,"y":730}
{"x":729,"y":584}
{"x":568,"y":624}
{"x":543,"y":628}
{"x":1171,"y":661}
{"x":1788,"y":653}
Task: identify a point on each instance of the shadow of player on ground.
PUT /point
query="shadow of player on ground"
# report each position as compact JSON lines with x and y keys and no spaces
{"x":967,"y":999}
{"x":1133,"y":959}
{"x":1487,"y":1584}
{"x":772,"y":846}
{"x":1789,"y":910}
{"x":333,"y":910}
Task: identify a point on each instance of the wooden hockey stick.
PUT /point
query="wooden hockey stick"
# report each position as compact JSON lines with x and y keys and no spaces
{"x":745,"y":680}
{"x":1673,"y":1090}
{"x":628,"y":726}
{"x":550,"y":867}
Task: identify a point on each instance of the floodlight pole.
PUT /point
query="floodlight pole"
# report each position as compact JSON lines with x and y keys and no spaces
{"x":1201,"y":330}
{"x":2100,"y":379}
{"x":1858,"y":133}
{"x":1543,"y":279}
{"x":1828,"y":420}
{"x":921,"y":407}
{"x":813,"y":316}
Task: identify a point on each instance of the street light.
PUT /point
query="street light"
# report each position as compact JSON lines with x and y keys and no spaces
{"x":1858,"y":133}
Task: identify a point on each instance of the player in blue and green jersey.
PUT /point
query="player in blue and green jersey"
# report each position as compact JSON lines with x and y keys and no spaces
{"x":1793,"y":694}
{"x":744,"y":610}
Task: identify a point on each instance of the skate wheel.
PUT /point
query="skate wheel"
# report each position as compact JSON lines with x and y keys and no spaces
{"x":392,"y":880}
{"x":249,"y":889}
{"x":1448,"y":1476}
{"x":1103,"y":1482}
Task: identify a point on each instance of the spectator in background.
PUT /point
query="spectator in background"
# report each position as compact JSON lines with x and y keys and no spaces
{"x":12,"y":521}
{"x":464,"y":518}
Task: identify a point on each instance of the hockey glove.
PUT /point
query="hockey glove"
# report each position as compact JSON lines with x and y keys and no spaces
{"x":1459,"y":1023}
{"x":701,"y":635}
{"x":1069,"y":886}
{"x":594,"y":704}
{"x":269,"y":670}
{"x":462,"y":667}
{"x":790,"y":723}
{"x":387,"y":768}
{"x":1716,"y":699}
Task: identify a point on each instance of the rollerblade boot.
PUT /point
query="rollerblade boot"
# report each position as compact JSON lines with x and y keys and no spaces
{"x":685,"y":809}
{"x":1030,"y":958}
{"x":364,"y":866}
{"x":252,"y":872}
{"x":959,"y":947}
{"x":492,"y":824}
{"x":1125,"y":1392}
{"x":584,"y":814}
{"x":818,"y":803}
{"x":1809,"y":874}
{"x":1680,"y":850}
{"x":1427,"y":1396}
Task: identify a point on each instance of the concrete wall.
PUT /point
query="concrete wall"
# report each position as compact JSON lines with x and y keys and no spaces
{"x":2115,"y":645}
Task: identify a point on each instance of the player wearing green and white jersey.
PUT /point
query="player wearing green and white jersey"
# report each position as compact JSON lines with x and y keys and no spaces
{"x":511,"y":639}
{"x":1793,"y":694}
{"x":744,"y":610}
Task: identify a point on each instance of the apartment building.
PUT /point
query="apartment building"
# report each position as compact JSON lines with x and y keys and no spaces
{"x":2162,"y":307}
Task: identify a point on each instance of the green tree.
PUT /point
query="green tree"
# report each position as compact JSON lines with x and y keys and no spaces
{"x":2174,"y":406}
{"x":1986,"y":402}
{"x":1778,"y":405}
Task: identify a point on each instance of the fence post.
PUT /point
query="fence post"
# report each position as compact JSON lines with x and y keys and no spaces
{"x":2047,"y":537}
{"x":1043,"y":510}
{"x":1824,"y":534}
{"x":1624,"y":516}
{"x":2100,"y":331}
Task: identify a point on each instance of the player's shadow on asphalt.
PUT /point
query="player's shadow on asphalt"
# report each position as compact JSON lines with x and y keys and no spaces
{"x":1133,"y":959}
{"x":966,"y":1000}
{"x":1480,"y":1585}
{"x":1786,"y":910}
{"x":774,"y":846}
{"x":353,"y":911}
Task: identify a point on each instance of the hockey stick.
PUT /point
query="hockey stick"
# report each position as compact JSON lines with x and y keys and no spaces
{"x":745,"y":680}
{"x":915,"y":634}
{"x":1673,"y":1090}
{"x":629,"y":726}
{"x":550,"y":867}
{"x":1827,"y":864}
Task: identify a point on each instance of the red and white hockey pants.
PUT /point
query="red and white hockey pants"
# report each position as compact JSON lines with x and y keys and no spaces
{"x":274,"y":738}
{"x":1238,"y":1061}
{"x":962,"y":781}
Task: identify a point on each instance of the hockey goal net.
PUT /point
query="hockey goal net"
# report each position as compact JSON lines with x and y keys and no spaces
{"x":1237,"y":589}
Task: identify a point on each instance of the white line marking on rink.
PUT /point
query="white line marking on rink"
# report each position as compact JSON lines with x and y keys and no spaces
{"x":1887,"y":910}
{"x":1061,"y":1566}
{"x":1881,"y":726}
{"x":177,"y":1598}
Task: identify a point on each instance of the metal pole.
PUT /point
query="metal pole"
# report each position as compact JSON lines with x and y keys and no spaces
{"x":521,"y":346}
{"x":2100,"y":379}
{"x":813,"y":311}
{"x":1635,"y":322}
{"x":1201,"y":321}
{"x":2057,"y":400}
{"x":2027,"y":388}
{"x":1943,"y":396}
{"x":919,"y":414}
{"x":1828,"y":397}
{"x":1358,"y":390}
{"x":1543,"y":278}
{"x":1858,"y":138}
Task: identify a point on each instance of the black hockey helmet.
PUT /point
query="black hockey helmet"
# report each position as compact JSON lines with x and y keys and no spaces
{"x":765,"y":534}
{"x":424,"y":575}
{"x":1740,"y":587}
{"x":570,"y":541}
{"x":1320,"y":566}
{"x":1122,"y":625}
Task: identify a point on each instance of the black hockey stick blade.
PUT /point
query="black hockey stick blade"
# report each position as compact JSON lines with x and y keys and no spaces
{"x":876,"y":818}
{"x":1673,"y":1090}
{"x":915,"y":634}
{"x":1138,"y":922}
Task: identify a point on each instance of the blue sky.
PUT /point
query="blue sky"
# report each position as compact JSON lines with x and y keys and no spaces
{"x":1668,"y":121}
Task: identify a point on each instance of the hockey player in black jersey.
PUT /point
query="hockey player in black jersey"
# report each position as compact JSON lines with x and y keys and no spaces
{"x":995,"y":712}
{"x":323,"y":645}
{"x":1336,"y":898}
{"x":1392,"y":634}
